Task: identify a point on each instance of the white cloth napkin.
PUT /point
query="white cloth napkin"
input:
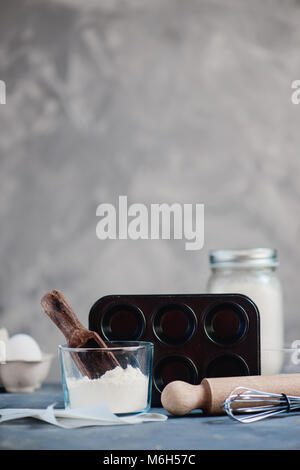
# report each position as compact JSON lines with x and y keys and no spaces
{"x":97,"y":415}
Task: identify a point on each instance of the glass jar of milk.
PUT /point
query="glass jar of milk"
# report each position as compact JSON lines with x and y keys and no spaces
{"x":254,"y":273}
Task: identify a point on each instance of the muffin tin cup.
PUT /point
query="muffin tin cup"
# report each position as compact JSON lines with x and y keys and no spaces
{"x":174,"y":324}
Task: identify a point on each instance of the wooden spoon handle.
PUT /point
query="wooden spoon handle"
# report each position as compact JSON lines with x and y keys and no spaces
{"x":61,"y":313}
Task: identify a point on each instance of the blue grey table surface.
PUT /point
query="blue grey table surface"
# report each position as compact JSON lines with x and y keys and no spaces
{"x":194,"y":431}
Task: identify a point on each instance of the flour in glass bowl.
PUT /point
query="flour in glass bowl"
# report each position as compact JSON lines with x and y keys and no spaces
{"x":123,"y":390}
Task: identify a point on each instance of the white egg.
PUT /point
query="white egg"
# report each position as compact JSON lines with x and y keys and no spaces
{"x":23,"y":347}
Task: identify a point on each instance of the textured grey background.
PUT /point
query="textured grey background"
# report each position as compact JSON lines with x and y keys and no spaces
{"x":163,"y":101}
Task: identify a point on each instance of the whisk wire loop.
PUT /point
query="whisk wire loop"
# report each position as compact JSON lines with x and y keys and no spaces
{"x":257,"y":405}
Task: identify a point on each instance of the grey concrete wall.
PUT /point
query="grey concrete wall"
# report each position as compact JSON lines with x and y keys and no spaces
{"x":163,"y":101}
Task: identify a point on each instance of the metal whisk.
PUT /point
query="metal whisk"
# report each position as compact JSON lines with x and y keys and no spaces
{"x":258,"y":405}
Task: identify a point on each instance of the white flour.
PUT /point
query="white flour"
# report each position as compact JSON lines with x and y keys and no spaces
{"x":123,"y":390}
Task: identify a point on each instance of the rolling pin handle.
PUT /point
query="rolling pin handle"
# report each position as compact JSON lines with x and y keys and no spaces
{"x":179,"y":398}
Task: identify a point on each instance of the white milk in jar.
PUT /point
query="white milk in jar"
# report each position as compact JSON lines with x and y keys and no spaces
{"x":253,"y":273}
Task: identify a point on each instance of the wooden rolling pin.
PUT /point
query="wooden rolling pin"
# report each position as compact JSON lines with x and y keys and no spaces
{"x":179,"y":398}
{"x":92,"y":364}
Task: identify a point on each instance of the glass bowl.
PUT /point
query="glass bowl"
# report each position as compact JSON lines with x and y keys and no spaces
{"x":124,"y":389}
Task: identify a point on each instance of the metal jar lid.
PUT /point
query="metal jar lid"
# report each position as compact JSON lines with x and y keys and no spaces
{"x":254,"y":257}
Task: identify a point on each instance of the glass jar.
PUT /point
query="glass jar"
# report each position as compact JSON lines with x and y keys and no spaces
{"x":254,"y":273}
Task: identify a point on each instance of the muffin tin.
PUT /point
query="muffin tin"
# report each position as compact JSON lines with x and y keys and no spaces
{"x":194,"y":336}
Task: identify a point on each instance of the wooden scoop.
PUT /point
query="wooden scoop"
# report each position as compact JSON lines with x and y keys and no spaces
{"x":92,"y":364}
{"x":179,"y":398}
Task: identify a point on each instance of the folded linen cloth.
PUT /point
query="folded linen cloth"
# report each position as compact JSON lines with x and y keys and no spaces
{"x":96,"y":415}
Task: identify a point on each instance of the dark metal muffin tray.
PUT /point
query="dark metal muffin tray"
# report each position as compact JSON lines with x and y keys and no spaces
{"x":194,"y":336}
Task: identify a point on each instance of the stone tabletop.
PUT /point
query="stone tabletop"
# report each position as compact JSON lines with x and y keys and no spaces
{"x":190,"y":432}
